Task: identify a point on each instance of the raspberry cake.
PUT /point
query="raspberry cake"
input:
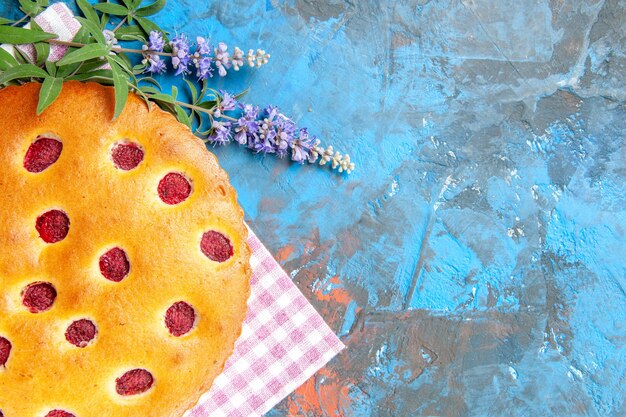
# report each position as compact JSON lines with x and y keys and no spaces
{"x":124,"y":271}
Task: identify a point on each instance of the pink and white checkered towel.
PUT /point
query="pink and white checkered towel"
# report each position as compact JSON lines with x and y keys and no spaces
{"x":284,"y":341}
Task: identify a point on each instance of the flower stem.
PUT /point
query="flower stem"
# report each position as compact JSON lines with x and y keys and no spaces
{"x":77,"y":69}
{"x":21,"y":20}
{"x":203,"y":110}
{"x":119,"y":25}
{"x":196,"y":108}
{"x":140,"y":51}
{"x":114,"y":49}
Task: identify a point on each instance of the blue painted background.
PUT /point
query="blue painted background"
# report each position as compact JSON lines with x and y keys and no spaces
{"x":474,"y":262}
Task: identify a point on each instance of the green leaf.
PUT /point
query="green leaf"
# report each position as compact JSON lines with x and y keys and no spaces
{"x":120,"y":82}
{"x":50,"y":90}
{"x":93,"y":29}
{"x":20,"y":72}
{"x":162,"y":97}
{"x":14,"y":35}
{"x":205,"y":86}
{"x":182,"y":116}
{"x":43,"y":51}
{"x":151,"y":8}
{"x":88,"y":11}
{"x":4,"y":21}
{"x":51,"y":68}
{"x":174,"y":92}
{"x":90,"y":51}
{"x":6,"y":60}
{"x":149,"y":90}
{"x":151,"y":81}
{"x":193,"y":90}
{"x":82,"y":36}
{"x":79,"y":67}
{"x":210,"y":104}
{"x":139,"y":68}
{"x":100,"y":76}
{"x":112,"y":8}
{"x":29,"y":7}
{"x":123,"y":61}
{"x":21,"y":57}
{"x":148,"y":26}
{"x":104,"y":20}
{"x":66,"y":70}
{"x":131,"y":32}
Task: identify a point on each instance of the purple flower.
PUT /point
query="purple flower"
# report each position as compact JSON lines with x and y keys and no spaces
{"x":228,"y":103}
{"x":250,"y":111}
{"x":222,"y":58}
{"x":157,"y":66}
{"x":267,"y":131}
{"x":155,"y":41}
{"x":264,"y":145}
{"x":301,"y":147}
{"x":237,"y":59}
{"x":204,"y":68}
{"x":203,"y":47}
{"x":181,"y":58}
{"x":270,"y":112}
{"x":109,"y":37}
{"x":221,"y":133}
{"x":285,"y":131}
{"x":246,"y":127}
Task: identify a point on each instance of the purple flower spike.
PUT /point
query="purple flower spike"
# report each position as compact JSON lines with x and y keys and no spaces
{"x":221,"y":133}
{"x":270,"y":112}
{"x":264,"y":146}
{"x":301,"y":147}
{"x":228,"y":103}
{"x":204,"y":68}
{"x":203,"y":47}
{"x":157,"y":66}
{"x":246,"y":127}
{"x":285,"y":132}
{"x":222,"y":58}
{"x":181,"y":59}
{"x":155,"y":41}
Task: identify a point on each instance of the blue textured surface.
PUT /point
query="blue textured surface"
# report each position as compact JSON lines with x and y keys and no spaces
{"x":474,"y":262}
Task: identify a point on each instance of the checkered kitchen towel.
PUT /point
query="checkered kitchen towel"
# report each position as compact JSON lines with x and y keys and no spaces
{"x":284,"y":341}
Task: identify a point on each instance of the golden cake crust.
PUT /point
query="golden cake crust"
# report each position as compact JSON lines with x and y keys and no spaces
{"x":108,"y":207}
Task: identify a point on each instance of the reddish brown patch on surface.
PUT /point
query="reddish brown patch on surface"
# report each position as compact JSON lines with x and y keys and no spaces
{"x":134,"y":382}
{"x":318,"y":399}
{"x":39,"y":297}
{"x":284,"y":253}
{"x":114,"y":265}
{"x":41,"y":154}
{"x":216,"y":246}
{"x":81,"y":332}
{"x":126,"y":156}
{"x":5,"y":352}
{"x":59,"y":413}
{"x":180,"y":318}
{"x":53,"y":226}
{"x":174,"y":188}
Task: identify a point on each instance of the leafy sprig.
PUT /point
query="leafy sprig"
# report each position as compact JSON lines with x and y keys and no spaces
{"x":96,"y":54}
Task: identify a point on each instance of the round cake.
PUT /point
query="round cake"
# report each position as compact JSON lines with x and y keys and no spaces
{"x":124,"y":271}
